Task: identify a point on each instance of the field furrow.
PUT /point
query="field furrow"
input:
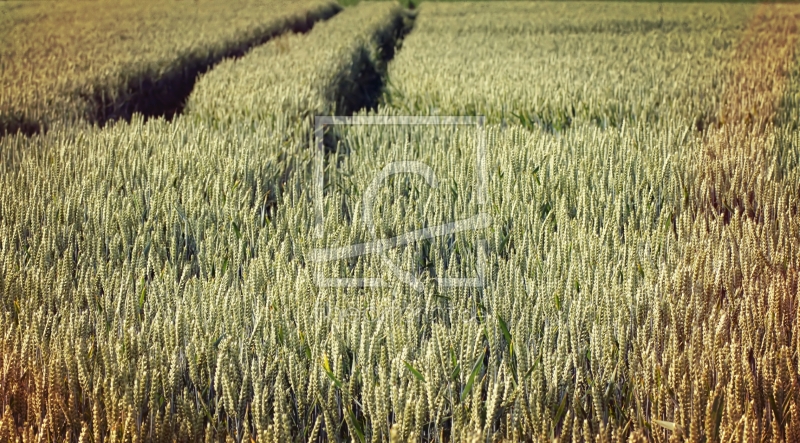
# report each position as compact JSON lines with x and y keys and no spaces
{"x":335,"y":69}
{"x":65,"y":62}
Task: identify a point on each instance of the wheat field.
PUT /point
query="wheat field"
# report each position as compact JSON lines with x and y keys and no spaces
{"x":634,"y":270}
{"x":97,"y":61}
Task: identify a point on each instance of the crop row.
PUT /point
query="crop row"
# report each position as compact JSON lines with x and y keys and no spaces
{"x":332,"y":70}
{"x":68,"y":61}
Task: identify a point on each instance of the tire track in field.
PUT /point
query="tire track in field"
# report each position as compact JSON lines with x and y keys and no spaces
{"x":166,"y":96}
{"x":364,"y":91}
{"x":161,"y":93}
